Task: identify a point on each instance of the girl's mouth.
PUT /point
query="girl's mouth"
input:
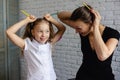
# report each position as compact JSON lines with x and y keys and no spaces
{"x":42,"y":39}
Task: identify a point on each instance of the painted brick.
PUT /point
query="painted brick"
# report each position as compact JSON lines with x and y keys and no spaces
{"x":67,"y":56}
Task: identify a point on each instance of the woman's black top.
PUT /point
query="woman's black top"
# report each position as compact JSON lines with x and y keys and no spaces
{"x":92,"y":68}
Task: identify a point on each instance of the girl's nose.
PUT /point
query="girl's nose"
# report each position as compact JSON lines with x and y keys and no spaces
{"x":43,"y":34}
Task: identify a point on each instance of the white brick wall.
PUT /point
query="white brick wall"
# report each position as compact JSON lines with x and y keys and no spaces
{"x":67,"y":56}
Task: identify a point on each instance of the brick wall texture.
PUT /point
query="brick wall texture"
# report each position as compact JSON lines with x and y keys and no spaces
{"x":67,"y":56}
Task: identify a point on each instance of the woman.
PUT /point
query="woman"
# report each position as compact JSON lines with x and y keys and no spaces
{"x":98,"y":43}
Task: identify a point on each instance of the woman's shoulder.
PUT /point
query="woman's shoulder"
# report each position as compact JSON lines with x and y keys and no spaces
{"x":111,"y":32}
{"x":110,"y":28}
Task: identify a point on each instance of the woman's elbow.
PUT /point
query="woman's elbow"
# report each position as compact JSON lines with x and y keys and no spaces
{"x":103,"y":57}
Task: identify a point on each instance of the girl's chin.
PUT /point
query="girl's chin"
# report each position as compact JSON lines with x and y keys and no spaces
{"x":42,"y":42}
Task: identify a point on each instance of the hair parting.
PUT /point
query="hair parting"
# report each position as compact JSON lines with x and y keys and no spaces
{"x":84,"y":14}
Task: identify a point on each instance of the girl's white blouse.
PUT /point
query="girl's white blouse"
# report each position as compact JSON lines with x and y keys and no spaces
{"x":39,"y":60}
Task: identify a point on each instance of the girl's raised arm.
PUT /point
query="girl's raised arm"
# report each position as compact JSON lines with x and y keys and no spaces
{"x":60,"y":27}
{"x":11,"y":32}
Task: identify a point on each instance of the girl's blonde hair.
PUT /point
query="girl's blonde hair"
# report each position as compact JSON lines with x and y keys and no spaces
{"x":31,"y":26}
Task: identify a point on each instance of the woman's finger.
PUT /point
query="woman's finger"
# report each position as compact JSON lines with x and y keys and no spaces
{"x":96,"y":13}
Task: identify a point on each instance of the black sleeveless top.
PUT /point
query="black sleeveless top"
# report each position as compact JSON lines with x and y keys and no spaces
{"x":92,"y":68}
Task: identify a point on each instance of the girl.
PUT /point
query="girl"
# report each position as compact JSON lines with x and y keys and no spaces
{"x":37,"y":44}
{"x":98,"y":43}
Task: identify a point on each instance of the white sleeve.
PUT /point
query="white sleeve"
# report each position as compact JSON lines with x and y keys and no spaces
{"x":26,"y":44}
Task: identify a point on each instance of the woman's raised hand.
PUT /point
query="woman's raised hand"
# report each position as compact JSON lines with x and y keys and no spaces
{"x":97,"y":18}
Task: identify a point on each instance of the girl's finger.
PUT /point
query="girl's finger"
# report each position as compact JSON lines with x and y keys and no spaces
{"x":32,"y":17}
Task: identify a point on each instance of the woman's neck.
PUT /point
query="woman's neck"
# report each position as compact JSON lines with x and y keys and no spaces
{"x":101,"y":29}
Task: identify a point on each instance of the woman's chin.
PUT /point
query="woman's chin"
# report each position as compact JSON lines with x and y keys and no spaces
{"x":83,"y":34}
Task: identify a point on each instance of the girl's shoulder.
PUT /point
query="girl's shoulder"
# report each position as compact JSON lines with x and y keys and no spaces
{"x":28,"y":40}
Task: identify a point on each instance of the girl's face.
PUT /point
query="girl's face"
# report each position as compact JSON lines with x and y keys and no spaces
{"x":82,"y":28}
{"x":41,"y":32}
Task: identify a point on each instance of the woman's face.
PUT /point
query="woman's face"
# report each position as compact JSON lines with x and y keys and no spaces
{"x":41,"y":32}
{"x":82,"y":28}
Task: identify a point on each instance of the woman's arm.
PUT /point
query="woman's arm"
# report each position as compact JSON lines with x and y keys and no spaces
{"x":11,"y":32}
{"x":64,"y":16}
{"x":60,"y":27}
{"x":103,"y":50}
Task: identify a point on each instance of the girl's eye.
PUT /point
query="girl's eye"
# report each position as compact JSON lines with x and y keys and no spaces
{"x":39,"y":31}
{"x":42,"y":31}
{"x":47,"y":31}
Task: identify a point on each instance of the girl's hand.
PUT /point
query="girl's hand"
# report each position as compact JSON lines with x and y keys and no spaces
{"x":97,"y":20}
{"x":48,"y":17}
{"x":30,"y":18}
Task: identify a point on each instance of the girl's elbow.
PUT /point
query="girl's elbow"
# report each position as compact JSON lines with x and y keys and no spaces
{"x":64,"y":28}
{"x":7,"y":32}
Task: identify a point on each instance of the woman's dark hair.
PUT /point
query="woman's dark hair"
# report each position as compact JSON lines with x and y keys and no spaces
{"x":84,"y":14}
{"x":31,"y":26}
